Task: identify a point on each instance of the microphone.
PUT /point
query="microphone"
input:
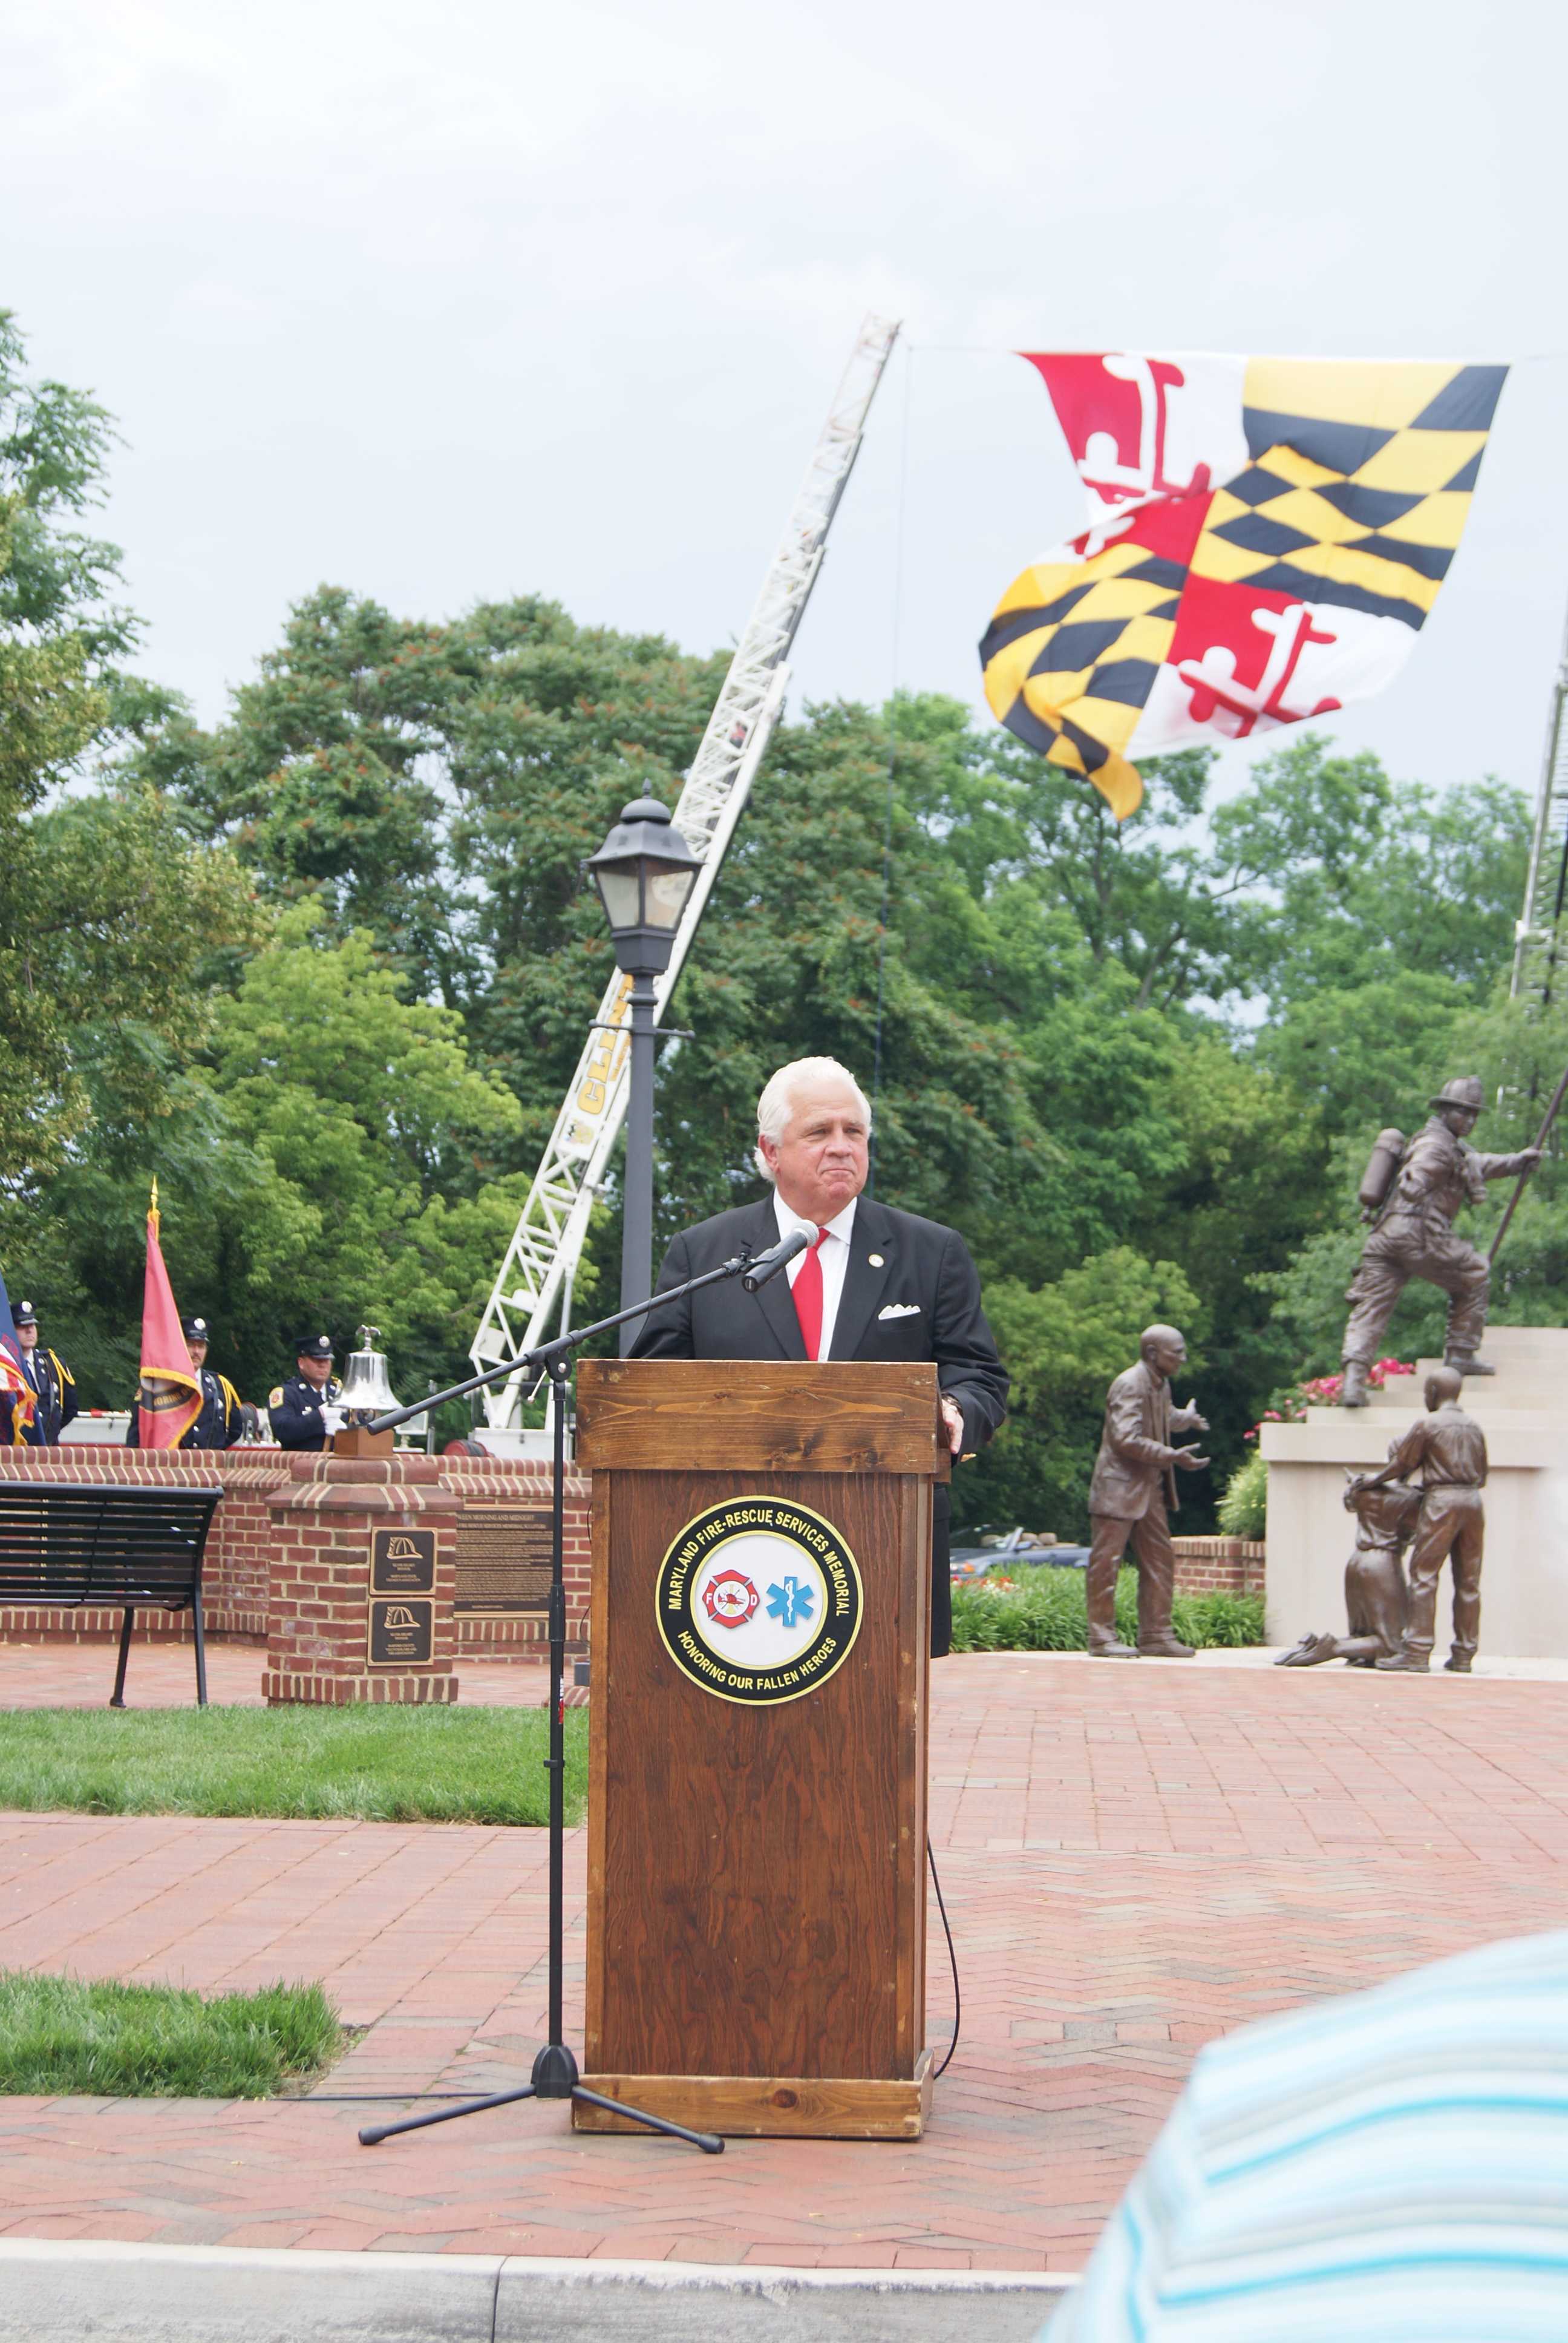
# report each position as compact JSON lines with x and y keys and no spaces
{"x":768,"y":1264}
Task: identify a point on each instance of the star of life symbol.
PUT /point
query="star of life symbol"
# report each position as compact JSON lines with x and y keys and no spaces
{"x":729,"y":1598}
{"x":791,"y":1603}
{"x":1101,"y":467}
{"x":1211,"y":681}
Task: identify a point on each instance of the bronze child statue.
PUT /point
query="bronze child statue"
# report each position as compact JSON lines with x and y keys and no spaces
{"x":1375,"y":1592}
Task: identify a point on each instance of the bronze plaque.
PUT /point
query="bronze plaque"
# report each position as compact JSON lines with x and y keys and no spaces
{"x":402,"y":1561}
{"x":502,"y":1558}
{"x":402,"y":1633}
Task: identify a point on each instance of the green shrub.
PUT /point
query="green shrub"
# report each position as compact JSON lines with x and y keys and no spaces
{"x":1045,"y":1613}
{"x":1244,"y":1508}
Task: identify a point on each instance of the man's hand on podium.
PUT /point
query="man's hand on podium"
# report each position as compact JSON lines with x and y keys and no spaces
{"x":953,"y":1425}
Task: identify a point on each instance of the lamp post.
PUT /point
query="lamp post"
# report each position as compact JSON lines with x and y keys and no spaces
{"x":644,"y":873}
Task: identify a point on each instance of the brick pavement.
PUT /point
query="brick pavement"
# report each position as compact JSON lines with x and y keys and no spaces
{"x":1136,"y":1859}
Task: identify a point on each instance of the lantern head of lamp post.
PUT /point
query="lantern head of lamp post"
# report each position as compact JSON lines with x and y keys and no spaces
{"x":644,"y":873}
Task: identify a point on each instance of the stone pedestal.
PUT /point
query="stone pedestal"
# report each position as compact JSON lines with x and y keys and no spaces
{"x":1524,"y":1412}
{"x":361,"y":1582}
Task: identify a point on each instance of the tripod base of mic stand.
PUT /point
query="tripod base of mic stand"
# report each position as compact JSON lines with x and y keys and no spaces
{"x":555,"y":2077}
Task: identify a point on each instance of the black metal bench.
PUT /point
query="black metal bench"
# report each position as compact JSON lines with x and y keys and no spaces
{"x":65,"y":1545}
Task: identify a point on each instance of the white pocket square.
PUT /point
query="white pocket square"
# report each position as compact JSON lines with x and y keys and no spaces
{"x":900,"y":1310}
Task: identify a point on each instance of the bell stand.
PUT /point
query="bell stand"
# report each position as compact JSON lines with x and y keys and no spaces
{"x":556,"y":2074}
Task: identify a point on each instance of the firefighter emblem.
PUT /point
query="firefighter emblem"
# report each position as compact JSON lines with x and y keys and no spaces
{"x":729,"y":1598}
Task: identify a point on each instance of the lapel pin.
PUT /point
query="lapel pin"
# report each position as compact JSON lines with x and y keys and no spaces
{"x":875,"y":1258}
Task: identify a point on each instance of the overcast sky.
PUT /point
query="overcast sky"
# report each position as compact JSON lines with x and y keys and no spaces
{"x":444,"y":302}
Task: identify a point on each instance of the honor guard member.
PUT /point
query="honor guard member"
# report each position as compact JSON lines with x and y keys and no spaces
{"x":221,"y":1420}
{"x":304,"y":1410}
{"x":51,"y":1378}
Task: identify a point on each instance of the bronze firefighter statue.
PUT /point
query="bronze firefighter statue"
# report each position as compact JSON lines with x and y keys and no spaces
{"x":1412,"y":1195}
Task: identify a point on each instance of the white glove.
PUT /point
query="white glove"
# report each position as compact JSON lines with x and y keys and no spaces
{"x":334,"y":1418}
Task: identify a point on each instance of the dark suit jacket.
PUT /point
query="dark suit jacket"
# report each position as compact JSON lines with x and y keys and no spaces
{"x":922,"y":1266}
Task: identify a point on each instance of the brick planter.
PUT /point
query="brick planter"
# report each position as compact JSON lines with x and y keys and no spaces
{"x":343,"y":1625}
{"x":1219,"y":1565}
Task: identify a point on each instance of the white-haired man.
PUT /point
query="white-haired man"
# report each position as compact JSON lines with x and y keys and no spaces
{"x":874,"y":1284}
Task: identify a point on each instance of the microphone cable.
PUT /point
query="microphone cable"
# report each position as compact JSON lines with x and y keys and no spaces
{"x":952,"y":1960}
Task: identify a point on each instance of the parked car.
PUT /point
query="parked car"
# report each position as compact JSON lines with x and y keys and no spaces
{"x":1011,"y":1550}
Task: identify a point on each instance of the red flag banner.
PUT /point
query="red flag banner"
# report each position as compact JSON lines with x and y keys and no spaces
{"x":17,"y":1403}
{"x":168,"y":1398}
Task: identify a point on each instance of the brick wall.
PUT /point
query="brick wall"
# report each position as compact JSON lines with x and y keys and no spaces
{"x":234,"y":1574}
{"x":503,"y":1480}
{"x":1219,"y":1565}
{"x":235,"y":1577}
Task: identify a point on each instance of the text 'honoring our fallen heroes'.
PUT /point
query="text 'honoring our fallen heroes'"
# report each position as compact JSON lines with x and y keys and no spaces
{"x":758,"y":1601}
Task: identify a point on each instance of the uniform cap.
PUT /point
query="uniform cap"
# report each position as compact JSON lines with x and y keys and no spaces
{"x":23,"y":1314}
{"x":195,"y":1329}
{"x":314,"y":1346}
{"x":1464,"y":1090}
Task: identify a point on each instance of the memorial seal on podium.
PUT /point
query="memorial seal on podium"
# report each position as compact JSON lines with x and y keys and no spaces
{"x":796,"y":1620}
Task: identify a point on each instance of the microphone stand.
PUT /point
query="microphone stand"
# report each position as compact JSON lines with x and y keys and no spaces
{"x":555,"y":2073}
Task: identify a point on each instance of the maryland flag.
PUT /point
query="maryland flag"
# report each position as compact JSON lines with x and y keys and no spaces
{"x":18,"y":1401}
{"x":1265,"y":537}
{"x":169,"y":1396}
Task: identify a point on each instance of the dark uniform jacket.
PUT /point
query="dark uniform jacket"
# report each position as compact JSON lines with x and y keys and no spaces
{"x":913,"y":1268}
{"x":218,"y":1426}
{"x":53,"y":1382}
{"x":295,"y":1409}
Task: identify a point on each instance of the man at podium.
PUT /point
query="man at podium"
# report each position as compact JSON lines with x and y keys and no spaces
{"x":873,"y":1284}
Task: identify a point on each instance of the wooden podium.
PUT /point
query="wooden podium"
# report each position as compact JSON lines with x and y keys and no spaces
{"x":756,"y":1799}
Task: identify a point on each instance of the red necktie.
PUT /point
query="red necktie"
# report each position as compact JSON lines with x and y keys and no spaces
{"x":808,"y":1291}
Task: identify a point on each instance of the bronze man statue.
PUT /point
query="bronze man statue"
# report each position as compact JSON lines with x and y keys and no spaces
{"x":1445,"y":1451}
{"x":1413,"y":1236}
{"x":1134,"y":1480}
{"x":1375,"y":1592}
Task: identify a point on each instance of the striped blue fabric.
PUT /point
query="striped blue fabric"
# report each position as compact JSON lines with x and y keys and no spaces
{"x":1392,"y":2165}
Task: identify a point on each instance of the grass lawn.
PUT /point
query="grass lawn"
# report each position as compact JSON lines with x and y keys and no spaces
{"x":392,"y":1765}
{"x":153,"y":2042}
{"x":1042,"y":1610}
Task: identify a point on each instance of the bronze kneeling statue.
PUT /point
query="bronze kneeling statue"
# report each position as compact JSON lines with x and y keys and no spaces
{"x":1376,"y":1596}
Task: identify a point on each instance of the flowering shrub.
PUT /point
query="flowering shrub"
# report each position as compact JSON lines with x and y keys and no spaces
{"x":1323,"y":1391}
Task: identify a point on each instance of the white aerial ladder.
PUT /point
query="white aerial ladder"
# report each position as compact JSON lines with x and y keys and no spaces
{"x":1539,"y":943}
{"x":548,"y":1242}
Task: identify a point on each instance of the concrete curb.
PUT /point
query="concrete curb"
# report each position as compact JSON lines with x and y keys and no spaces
{"x":57,"y":2288}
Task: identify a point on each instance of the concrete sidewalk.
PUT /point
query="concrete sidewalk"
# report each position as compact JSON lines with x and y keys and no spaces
{"x":186,"y":2294}
{"x":1137,"y":1859}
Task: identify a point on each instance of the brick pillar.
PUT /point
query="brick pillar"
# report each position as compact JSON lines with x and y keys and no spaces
{"x":361,"y":1580}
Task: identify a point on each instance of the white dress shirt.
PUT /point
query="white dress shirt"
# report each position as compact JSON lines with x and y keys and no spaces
{"x":834,"y":1257}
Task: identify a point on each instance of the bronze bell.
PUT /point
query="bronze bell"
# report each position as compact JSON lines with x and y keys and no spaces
{"x":366,"y":1392}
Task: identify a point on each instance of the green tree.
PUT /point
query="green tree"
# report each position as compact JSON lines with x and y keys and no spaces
{"x":377,"y":1136}
{"x":1043,"y":999}
{"x":1065,"y":1342}
{"x":107,"y":912}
